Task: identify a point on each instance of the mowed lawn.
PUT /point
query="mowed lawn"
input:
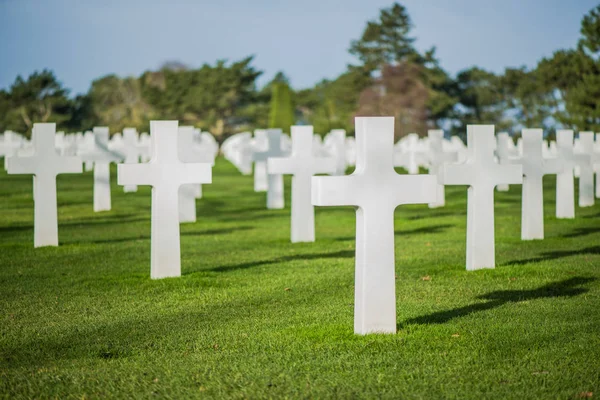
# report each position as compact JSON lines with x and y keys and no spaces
{"x":254,"y":316}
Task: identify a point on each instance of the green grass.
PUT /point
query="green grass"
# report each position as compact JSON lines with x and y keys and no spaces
{"x":254,"y":316}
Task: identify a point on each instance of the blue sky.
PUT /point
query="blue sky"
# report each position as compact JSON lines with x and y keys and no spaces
{"x":84,"y":39}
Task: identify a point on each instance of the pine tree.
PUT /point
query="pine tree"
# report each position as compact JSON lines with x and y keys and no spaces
{"x":282,"y":111}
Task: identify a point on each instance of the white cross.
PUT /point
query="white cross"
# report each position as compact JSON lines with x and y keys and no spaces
{"x":188,"y":193}
{"x":375,"y":189}
{"x":586,"y":174}
{"x":482,"y":174}
{"x":260,"y":167}
{"x":45,"y":165}
{"x":165,"y":173}
{"x":535,"y":166}
{"x":132,"y":152}
{"x":302,"y":165}
{"x":411,"y":155}
{"x":101,"y":156}
{"x":87,"y":144}
{"x":504,"y":151}
{"x":336,"y":139}
{"x":275,"y":199}
{"x":437,"y":158}
{"x":565,"y":186}
{"x":10,"y":146}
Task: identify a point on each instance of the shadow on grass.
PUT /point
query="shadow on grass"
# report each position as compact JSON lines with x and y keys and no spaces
{"x":597,"y":215}
{"x":209,"y":232}
{"x":553,"y":255}
{"x":102,"y":220}
{"x":415,"y":231}
{"x":565,"y":288}
{"x":251,"y":264}
{"x":436,"y":214}
{"x":582,"y":232}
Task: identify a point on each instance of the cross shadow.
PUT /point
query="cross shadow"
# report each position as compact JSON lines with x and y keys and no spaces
{"x":565,"y":288}
{"x":597,"y":215}
{"x":209,"y":232}
{"x":251,"y":264}
{"x":435,"y":214}
{"x":553,"y":255}
{"x":415,"y":231}
{"x":582,"y":232}
{"x":103,"y":220}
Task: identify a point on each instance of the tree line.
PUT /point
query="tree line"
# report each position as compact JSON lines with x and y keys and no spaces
{"x":390,"y":78}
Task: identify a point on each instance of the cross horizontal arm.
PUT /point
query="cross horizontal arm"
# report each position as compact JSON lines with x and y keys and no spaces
{"x":415,"y":189}
{"x":507,"y":174}
{"x":137,"y":174}
{"x":281,"y":165}
{"x":461,"y":174}
{"x":69,"y":165}
{"x":334,"y":190}
{"x":22,"y":165}
{"x":194,"y":173}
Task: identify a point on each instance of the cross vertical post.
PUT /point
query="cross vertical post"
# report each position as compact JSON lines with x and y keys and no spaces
{"x":165,"y":173}
{"x":481,"y":173}
{"x":375,"y":190}
{"x":302,"y":164}
{"x":45,"y":164}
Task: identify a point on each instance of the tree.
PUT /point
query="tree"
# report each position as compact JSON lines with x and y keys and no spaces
{"x":40,"y":98}
{"x":385,"y":45}
{"x":480,"y":97}
{"x":209,"y":96}
{"x":590,"y":32}
{"x":385,"y":41}
{"x":525,"y":97}
{"x":570,"y":78}
{"x":400,"y":92}
{"x":281,"y":114}
{"x":332,"y":104}
{"x":118,"y":103}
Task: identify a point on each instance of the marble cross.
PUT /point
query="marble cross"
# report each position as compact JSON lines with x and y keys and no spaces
{"x":504,"y":150}
{"x":565,"y":185}
{"x":437,"y":158}
{"x":188,"y":192}
{"x":260,"y":166}
{"x":481,"y":173}
{"x":132,"y":152}
{"x":586,"y":174}
{"x":535,"y":166}
{"x":337,"y":140}
{"x":411,"y":154}
{"x":302,"y":165}
{"x":9,"y":146}
{"x":375,"y":189}
{"x":165,"y":173}
{"x":87,"y":144}
{"x":275,"y":199}
{"x":101,"y":156}
{"x":45,"y":165}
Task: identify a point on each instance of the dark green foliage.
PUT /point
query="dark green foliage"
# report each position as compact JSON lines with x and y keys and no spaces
{"x":386,"y":46}
{"x":281,"y":113}
{"x":254,"y":316}
{"x":480,"y":96}
{"x":209,"y":97}
{"x":386,"y":40}
{"x":39,"y":98}
{"x":332,"y":104}
{"x":590,"y":31}
{"x":561,"y":91}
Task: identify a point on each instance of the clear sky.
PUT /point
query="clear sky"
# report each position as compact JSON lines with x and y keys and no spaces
{"x":308,"y":39}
